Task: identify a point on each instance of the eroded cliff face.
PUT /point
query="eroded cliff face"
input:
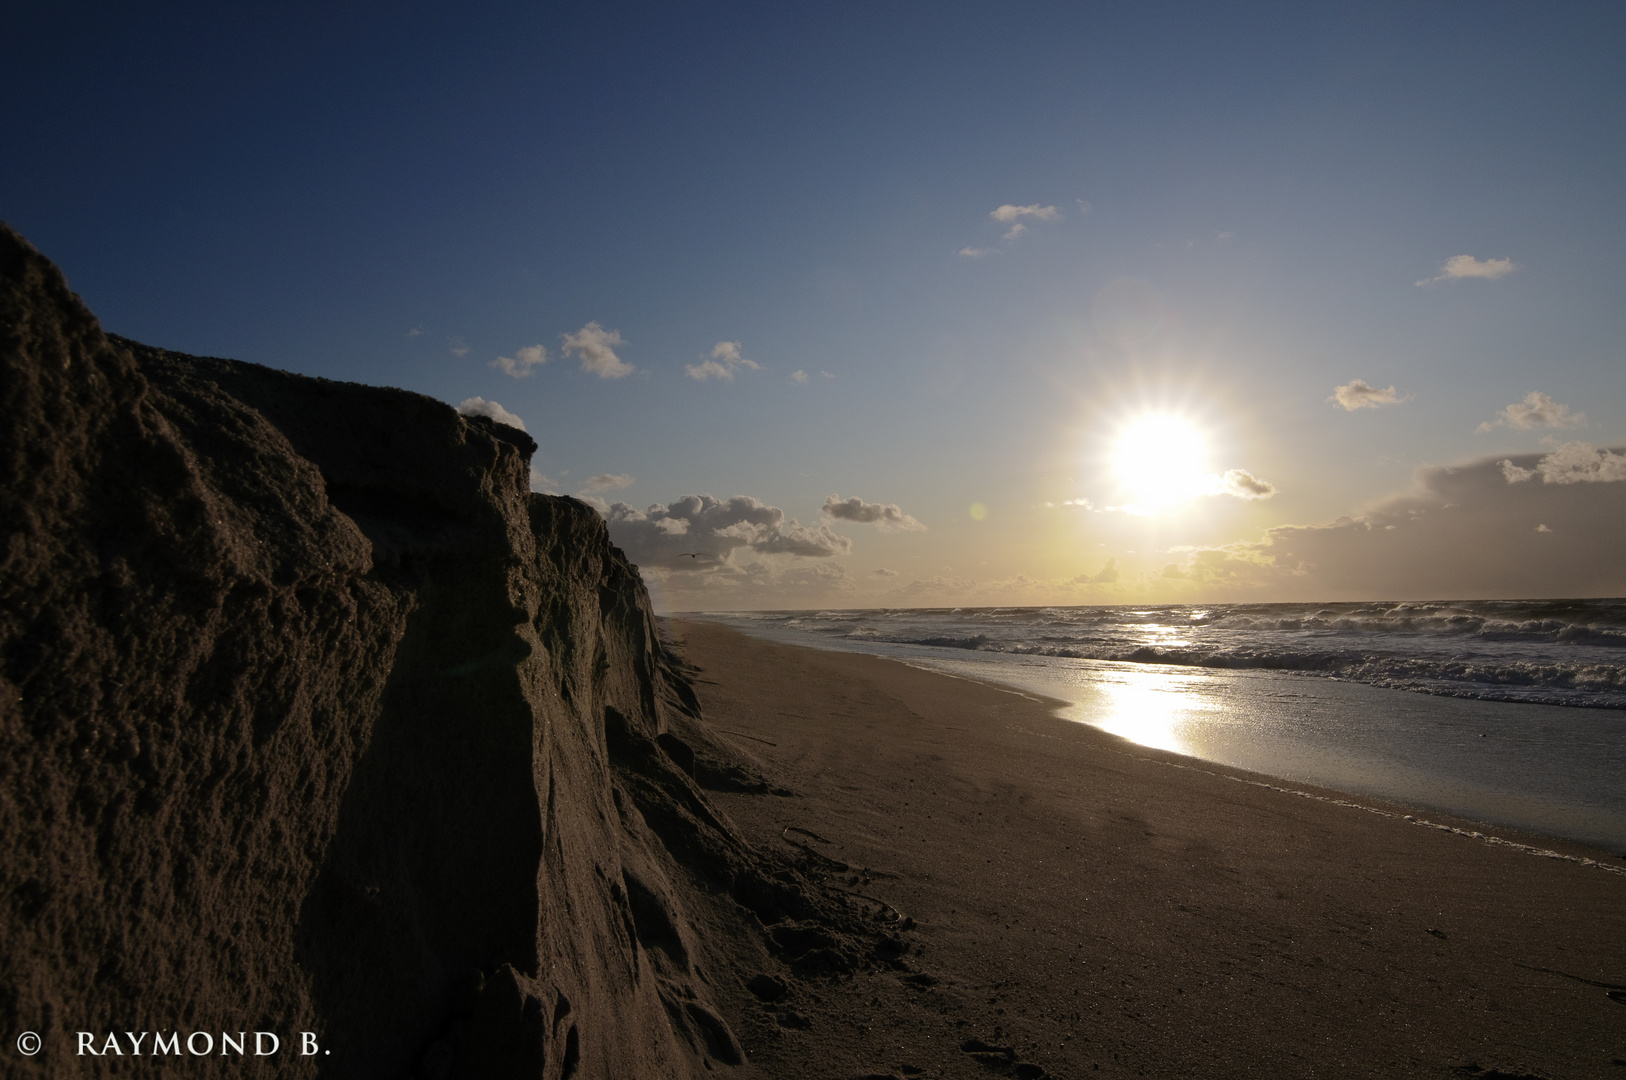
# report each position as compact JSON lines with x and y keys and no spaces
{"x":314,"y":718}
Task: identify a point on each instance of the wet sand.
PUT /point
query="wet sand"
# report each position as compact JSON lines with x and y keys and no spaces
{"x":1087,"y":907}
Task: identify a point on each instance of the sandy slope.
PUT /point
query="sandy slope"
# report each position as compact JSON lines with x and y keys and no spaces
{"x":1088,"y":907}
{"x":314,"y":719}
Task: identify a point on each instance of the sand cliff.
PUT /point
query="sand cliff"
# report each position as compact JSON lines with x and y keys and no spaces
{"x":314,"y":718}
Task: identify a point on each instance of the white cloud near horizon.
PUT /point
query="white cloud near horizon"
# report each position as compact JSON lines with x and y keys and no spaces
{"x":1107,"y":575}
{"x":608,"y":482}
{"x":595,"y":346}
{"x":1357,"y":394}
{"x":806,"y":541}
{"x":520,"y":364}
{"x":976,"y":252}
{"x":479,"y":406}
{"x":887,"y":517}
{"x":754,"y":584}
{"x":1571,"y":463}
{"x":699,"y":533}
{"x":1468,"y":531}
{"x":939,"y":585}
{"x":1462,"y":531}
{"x":1537,"y":410}
{"x":724,"y":361}
{"x":1458,"y":267}
{"x":799,"y":376}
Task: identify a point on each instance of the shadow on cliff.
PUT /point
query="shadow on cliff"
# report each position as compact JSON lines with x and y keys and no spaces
{"x":315,"y":718}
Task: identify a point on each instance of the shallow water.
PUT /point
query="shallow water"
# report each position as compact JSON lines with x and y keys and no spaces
{"x":1555,"y":770}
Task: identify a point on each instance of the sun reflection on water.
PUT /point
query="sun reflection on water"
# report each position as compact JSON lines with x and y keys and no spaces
{"x":1154,"y":708}
{"x":1161,"y":636}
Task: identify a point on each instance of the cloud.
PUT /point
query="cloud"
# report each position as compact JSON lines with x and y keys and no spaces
{"x":709,"y":369}
{"x":1535,"y":411}
{"x":808,"y":541}
{"x":1463,"y":532}
{"x":774,"y":584}
{"x":799,"y":376}
{"x":1515,"y":475}
{"x":1571,"y":463}
{"x":883,"y":572}
{"x":701,"y":533}
{"x":608,"y":482}
{"x":1105,"y":576}
{"x":1356,"y":394}
{"x":936,"y":586}
{"x":458,"y":347}
{"x":729,"y":353}
{"x":724,"y":361}
{"x":479,"y":406}
{"x":520,"y":364}
{"x":1242,"y":484}
{"x":416,"y":331}
{"x":1235,"y":483}
{"x":887,"y":517}
{"x":593,"y":344}
{"x":1011,"y":215}
{"x":1008,"y":212}
{"x":1466,"y":266}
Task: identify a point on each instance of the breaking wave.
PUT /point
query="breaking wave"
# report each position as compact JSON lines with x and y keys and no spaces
{"x":1559,"y":652}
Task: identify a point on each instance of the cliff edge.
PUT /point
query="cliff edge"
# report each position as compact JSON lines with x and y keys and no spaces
{"x":313,"y":718}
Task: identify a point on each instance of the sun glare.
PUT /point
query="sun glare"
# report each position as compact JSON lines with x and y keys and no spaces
{"x":1160,"y":460}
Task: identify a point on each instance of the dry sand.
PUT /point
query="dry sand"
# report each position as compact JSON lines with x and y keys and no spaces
{"x":1087,"y":907}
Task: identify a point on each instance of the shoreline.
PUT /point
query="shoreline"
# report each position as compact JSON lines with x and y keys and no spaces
{"x":1473,"y":810}
{"x":1529,"y":841}
{"x":1098,"y":907}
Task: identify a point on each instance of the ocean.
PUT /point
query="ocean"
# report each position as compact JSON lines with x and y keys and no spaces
{"x":1511,"y":713}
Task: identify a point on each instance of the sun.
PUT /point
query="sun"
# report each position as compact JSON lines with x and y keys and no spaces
{"x":1159,"y":461}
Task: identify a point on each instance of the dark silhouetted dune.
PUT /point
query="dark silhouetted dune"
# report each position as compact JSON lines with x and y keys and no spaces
{"x":315,"y":718}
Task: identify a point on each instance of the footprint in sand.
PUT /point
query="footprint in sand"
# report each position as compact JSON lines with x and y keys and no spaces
{"x":1002,"y":1059}
{"x":767,"y":987}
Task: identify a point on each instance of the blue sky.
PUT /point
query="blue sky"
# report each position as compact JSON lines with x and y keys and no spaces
{"x":1228,"y":211}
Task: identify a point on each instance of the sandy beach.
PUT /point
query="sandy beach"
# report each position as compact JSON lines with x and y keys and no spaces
{"x":1084,"y":906}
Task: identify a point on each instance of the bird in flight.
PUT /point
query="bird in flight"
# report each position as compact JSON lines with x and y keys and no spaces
{"x":691,"y":554}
